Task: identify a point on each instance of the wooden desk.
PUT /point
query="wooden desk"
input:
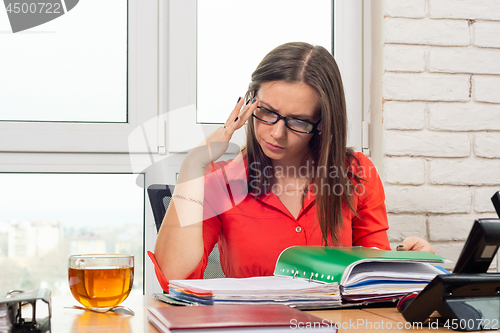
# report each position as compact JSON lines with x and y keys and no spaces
{"x":350,"y":320}
{"x":73,"y":320}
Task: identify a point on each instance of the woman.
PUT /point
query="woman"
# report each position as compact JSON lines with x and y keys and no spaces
{"x":295,"y":183}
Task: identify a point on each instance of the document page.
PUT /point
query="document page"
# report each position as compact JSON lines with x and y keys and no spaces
{"x":253,"y":285}
{"x":406,"y":271}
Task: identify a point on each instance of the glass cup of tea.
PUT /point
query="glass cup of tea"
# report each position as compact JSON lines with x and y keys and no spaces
{"x":100,"y":280}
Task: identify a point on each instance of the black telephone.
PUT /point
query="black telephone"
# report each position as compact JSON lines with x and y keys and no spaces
{"x":496,"y":202}
{"x":469,"y":298}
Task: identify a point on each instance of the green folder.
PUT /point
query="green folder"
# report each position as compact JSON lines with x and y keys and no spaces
{"x":333,"y":264}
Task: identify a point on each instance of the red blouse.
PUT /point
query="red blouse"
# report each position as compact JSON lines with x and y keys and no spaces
{"x":252,"y":232}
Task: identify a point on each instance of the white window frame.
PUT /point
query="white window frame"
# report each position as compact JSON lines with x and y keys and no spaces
{"x":89,"y":163}
{"x":348,"y":52}
{"x":103,"y":137}
{"x":45,"y":147}
{"x":178,"y":56}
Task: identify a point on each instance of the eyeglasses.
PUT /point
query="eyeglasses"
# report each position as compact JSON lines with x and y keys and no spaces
{"x":294,"y":124}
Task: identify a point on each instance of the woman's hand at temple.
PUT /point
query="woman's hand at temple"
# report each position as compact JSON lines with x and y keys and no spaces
{"x":415,"y":244}
{"x":216,"y":144}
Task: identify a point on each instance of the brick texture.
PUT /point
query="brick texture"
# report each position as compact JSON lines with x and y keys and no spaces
{"x":404,"y":170}
{"x":426,"y":87}
{"x":441,"y":118}
{"x":426,"y":143}
{"x":465,"y":172}
{"x":464,"y":60}
{"x":428,"y":199}
{"x":404,"y":115}
{"x":465,"y":9}
{"x":427,"y":32}
{"x":482,"y":200}
{"x":404,"y":58}
{"x":486,"y":88}
{"x":487,"y":144}
{"x":402,"y":226}
{"x":486,"y":34}
{"x":464,"y":116}
{"x":451,"y":227}
{"x":408,"y":8}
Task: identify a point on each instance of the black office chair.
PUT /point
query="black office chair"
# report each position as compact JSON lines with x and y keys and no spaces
{"x":160,"y":197}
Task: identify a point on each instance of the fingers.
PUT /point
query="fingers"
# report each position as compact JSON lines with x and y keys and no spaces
{"x":240,"y":114}
{"x":408,"y":244}
{"x":216,"y":144}
{"x":234,"y":113}
{"x":425,"y":246}
{"x":246,"y":113}
{"x":415,"y":244}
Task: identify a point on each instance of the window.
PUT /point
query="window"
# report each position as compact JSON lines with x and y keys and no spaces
{"x":47,"y":216}
{"x":233,"y":37}
{"x":88,"y":136}
{"x":82,"y":82}
{"x":186,"y":53}
{"x":68,"y":79}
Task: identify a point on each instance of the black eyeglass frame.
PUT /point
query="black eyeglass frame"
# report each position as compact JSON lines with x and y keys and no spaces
{"x":285,"y":119}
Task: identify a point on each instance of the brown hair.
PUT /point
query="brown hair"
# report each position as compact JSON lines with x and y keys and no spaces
{"x":315,"y":66}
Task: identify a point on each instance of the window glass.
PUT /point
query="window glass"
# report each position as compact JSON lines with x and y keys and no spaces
{"x":46,"y":217}
{"x":70,"y":69}
{"x":234,"y":35}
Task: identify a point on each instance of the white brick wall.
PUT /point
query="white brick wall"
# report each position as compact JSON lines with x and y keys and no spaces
{"x":451,"y":227}
{"x":486,"y":144}
{"x":407,"y":8}
{"x":426,"y":87}
{"x":486,"y":34}
{"x":441,"y":114}
{"x":464,"y":172}
{"x":426,"y":143}
{"x":428,"y":199}
{"x":464,"y":60}
{"x":464,"y":9}
{"x":405,"y":170}
{"x":486,"y":88}
{"x":406,"y":226}
{"x":404,"y":115}
{"x":426,"y":31}
{"x":404,"y":58}
{"x":482,"y":200}
{"x":464,"y":116}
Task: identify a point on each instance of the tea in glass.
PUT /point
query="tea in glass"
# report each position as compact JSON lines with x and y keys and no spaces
{"x":101,"y":280}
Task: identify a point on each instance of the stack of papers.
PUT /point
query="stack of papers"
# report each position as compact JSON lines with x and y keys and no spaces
{"x":298,"y":293}
{"x":379,"y":280}
{"x":315,"y":277}
{"x":365,"y":275}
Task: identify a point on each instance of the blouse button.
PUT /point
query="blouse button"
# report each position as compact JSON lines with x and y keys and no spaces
{"x":298,"y":229}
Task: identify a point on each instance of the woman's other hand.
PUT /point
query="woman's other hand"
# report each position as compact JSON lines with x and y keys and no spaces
{"x":415,"y":244}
